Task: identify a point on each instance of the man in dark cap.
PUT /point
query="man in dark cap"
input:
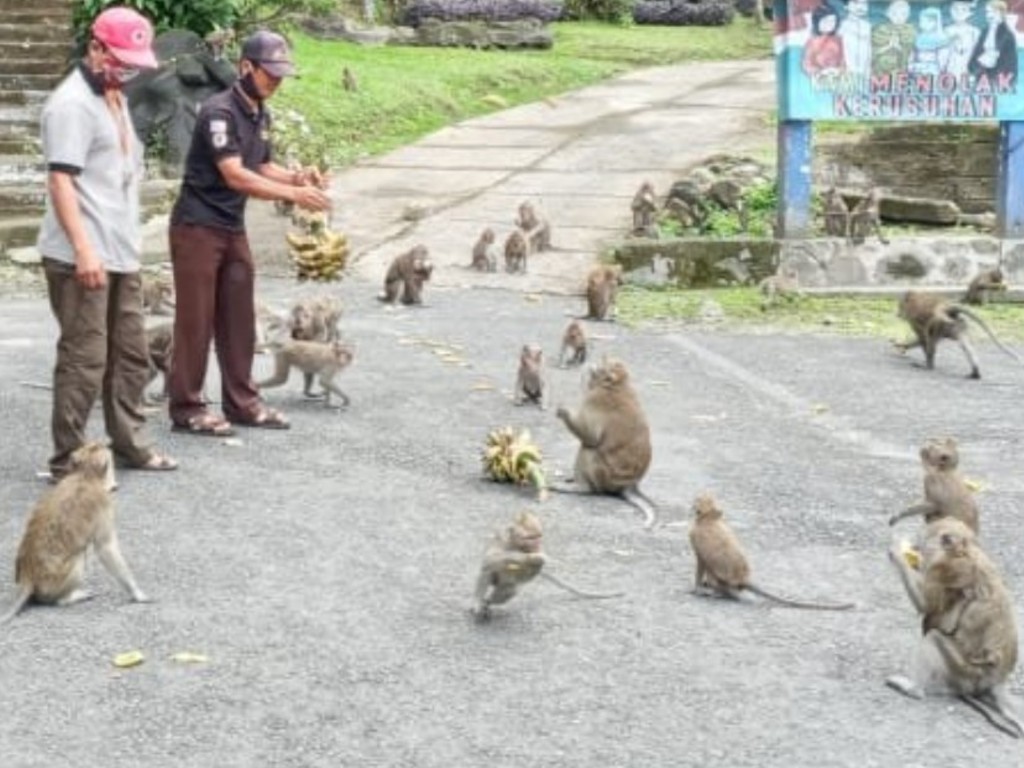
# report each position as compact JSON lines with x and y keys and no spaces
{"x":228,"y":161}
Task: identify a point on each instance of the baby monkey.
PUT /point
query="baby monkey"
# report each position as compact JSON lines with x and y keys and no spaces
{"x":512,"y":559}
{"x":78,"y":513}
{"x":574,"y":340}
{"x":984,"y":284}
{"x":322,"y":359}
{"x":722,"y":567}
{"x":603,"y":283}
{"x":484,"y":257}
{"x":531,"y":381}
{"x":536,"y":228}
{"x":517,"y":248}
{"x":945,"y":492}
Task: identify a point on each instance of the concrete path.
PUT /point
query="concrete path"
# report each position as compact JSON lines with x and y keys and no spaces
{"x":325,"y":571}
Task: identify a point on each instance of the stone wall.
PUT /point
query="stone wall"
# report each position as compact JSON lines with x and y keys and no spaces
{"x":952,"y":162}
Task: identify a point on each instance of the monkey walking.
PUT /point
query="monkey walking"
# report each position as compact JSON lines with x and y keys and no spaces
{"x":316,"y":319}
{"x":484,"y":257}
{"x":531,"y":381}
{"x":969,"y":643}
{"x":865,"y":218}
{"x":984,"y":284}
{"x":933,"y":319}
{"x":603,"y":283}
{"x":574,"y":340}
{"x":615,"y":440}
{"x":78,"y":513}
{"x":517,"y":248}
{"x":722,"y":566}
{"x":322,"y":359}
{"x":513,"y":558}
{"x":945,"y":492}
{"x":408,"y":272}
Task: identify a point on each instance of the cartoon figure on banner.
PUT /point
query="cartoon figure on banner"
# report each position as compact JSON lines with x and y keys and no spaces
{"x":995,"y":53}
{"x":892,"y":43}
{"x":855,"y":30}
{"x":823,"y":53}
{"x":963,"y":36}
{"x":931,"y":47}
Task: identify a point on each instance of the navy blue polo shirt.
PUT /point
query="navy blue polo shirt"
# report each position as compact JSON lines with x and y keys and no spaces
{"x":227,"y":125}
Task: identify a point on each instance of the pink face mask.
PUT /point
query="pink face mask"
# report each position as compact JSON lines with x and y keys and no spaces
{"x":118,"y":74}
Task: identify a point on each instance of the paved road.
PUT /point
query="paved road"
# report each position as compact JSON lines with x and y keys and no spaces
{"x":325,"y":571}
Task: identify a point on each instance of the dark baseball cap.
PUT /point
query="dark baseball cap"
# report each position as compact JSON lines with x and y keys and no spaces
{"x":270,"y":51}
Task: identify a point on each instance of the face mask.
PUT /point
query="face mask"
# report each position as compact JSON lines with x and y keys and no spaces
{"x":248,"y":85}
{"x":117,"y":75}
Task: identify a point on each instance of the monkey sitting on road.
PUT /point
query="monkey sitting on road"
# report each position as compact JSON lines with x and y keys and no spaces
{"x":645,"y":207}
{"x":574,"y":340}
{"x":602,"y":291}
{"x":615,"y":440}
{"x":408,"y":272}
{"x":531,"y":380}
{"x":722,"y":566}
{"x":484,"y":257}
{"x":69,"y":519}
{"x":983,"y":285}
{"x":933,"y":319}
{"x":517,"y":248}
{"x":322,"y":359}
{"x":160,"y":346}
{"x":865,"y":218}
{"x":969,"y":646}
{"x":157,"y":295}
{"x":534,"y":227}
{"x":945,"y":492}
{"x":513,"y":558}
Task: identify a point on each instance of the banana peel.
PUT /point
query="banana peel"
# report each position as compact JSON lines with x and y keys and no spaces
{"x":511,"y":457}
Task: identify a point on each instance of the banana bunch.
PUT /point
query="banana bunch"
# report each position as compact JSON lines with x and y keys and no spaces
{"x":318,"y":255}
{"x":510,"y":457}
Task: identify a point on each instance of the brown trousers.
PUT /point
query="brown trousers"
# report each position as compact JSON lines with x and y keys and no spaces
{"x":214,"y":282}
{"x":101,"y":348}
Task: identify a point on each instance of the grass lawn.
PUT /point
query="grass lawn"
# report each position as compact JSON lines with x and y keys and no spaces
{"x":407,"y":92}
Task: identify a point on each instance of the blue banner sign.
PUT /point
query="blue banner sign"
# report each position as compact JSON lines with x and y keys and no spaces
{"x":899,"y":60}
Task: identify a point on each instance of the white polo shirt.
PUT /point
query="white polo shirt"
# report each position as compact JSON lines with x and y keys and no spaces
{"x":80,"y":137}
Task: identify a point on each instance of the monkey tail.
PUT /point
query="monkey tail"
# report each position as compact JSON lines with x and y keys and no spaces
{"x":916,"y":509}
{"x":956,"y":308}
{"x":635,"y":497}
{"x":996,"y":715}
{"x":23,"y":596}
{"x":798,"y":603}
{"x":580,"y":592}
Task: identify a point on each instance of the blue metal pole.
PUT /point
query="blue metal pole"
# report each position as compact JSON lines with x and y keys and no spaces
{"x":1010,"y":181}
{"x":794,"y":178}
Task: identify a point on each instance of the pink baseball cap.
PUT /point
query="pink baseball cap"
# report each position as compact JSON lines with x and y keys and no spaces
{"x":129,"y":36}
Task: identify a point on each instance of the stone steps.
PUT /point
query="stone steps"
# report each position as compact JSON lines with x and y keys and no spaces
{"x":26,"y":82}
{"x":34,"y":33}
{"x":9,"y":66}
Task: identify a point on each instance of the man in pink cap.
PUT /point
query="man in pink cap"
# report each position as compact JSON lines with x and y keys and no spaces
{"x":229,"y":161}
{"x":90,"y":240}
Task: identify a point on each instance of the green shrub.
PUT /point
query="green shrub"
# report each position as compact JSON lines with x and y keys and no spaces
{"x":618,"y":11}
{"x":199,"y":16}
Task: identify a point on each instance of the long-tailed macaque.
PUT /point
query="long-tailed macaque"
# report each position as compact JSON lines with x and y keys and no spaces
{"x":945,"y":492}
{"x":160,"y":346}
{"x":535,"y":227}
{"x":722,"y":566}
{"x":407,"y":272}
{"x":157,"y":294}
{"x":984,"y":284}
{"x":603,"y":283}
{"x":76,"y":514}
{"x":484,"y":257}
{"x":574,"y":342}
{"x":645,"y":208}
{"x":969,"y":644}
{"x":615,"y":440}
{"x":531,"y":380}
{"x":866,"y":218}
{"x":517,"y":248}
{"x":513,"y":558}
{"x":836,"y":214}
{"x":322,"y":359}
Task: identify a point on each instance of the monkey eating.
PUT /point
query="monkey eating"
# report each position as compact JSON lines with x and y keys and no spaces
{"x":933,"y":319}
{"x":945,"y":492}
{"x":408,"y":272}
{"x":513,"y":558}
{"x":602,"y":291}
{"x":722,"y":566}
{"x":644,"y":207}
{"x":969,"y":644}
{"x":322,"y":359}
{"x":534,"y":227}
{"x":484,"y":257}
{"x":531,"y":381}
{"x":615,"y":440}
{"x":574,"y":340}
{"x":984,"y":284}
{"x":517,"y":248}
{"x":78,"y":513}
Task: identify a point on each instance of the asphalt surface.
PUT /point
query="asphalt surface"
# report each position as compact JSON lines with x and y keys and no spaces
{"x":325,"y":572}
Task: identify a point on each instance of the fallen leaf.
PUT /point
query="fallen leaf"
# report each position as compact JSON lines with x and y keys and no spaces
{"x":129,"y":659}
